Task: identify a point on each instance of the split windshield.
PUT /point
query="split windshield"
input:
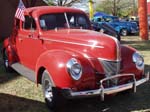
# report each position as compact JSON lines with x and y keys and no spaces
{"x":64,"y":20}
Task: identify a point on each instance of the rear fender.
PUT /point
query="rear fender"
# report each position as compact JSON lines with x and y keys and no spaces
{"x":6,"y":47}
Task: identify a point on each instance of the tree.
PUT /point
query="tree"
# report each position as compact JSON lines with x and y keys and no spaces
{"x":30,"y":3}
{"x":117,"y":7}
{"x":62,"y":2}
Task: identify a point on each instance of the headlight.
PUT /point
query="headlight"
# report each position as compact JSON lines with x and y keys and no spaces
{"x":138,"y":60}
{"x":74,"y":69}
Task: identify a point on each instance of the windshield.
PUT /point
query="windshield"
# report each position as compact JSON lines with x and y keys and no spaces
{"x":111,"y":19}
{"x":64,"y":20}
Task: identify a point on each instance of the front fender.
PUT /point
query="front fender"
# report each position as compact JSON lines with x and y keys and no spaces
{"x":55,"y":63}
{"x":128,"y":66}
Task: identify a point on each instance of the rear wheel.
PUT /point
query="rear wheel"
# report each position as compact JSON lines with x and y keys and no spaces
{"x":53,"y":97}
{"x":6,"y":62}
{"x":124,"y":32}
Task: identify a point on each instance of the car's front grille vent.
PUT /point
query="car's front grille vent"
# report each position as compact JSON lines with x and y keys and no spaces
{"x":110,"y":67}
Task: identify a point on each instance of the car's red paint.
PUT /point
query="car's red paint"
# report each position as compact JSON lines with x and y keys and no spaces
{"x":51,"y":50}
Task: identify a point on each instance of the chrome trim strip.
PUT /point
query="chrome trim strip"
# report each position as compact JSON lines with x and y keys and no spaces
{"x":101,"y":91}
{"x":67,"y":42}
{"x":109,"y":60}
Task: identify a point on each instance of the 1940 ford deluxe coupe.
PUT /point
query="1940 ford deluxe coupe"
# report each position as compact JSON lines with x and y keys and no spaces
{"x":55,"y":47}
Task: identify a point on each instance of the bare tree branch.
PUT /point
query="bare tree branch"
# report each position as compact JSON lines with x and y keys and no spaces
{"x":62,"y":2}
{"x":72,"y":2}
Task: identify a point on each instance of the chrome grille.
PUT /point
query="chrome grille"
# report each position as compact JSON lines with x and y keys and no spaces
{"x":110,"y":67}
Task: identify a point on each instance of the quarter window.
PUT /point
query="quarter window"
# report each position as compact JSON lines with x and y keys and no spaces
{"x":29,"y":23}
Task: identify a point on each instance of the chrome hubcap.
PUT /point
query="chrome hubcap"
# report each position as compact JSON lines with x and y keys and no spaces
{"x":6,"y":60}
{"x":124,"y":32}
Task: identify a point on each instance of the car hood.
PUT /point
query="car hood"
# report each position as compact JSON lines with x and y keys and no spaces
{"x":87,"y":42}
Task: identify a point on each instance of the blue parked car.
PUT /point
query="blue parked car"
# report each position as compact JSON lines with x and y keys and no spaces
{"x":105,"y":28}
{"x":122,"y":27}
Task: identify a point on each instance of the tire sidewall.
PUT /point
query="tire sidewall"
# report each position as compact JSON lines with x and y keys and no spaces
{"x":45,"y":76}
{"x":57,"y":100}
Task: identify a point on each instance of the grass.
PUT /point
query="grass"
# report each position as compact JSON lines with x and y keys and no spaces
{"x":17,"y":94}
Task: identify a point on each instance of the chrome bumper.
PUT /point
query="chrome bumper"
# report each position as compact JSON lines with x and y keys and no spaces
{"x":106,"y":91}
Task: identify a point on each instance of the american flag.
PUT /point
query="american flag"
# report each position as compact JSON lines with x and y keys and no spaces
{"x":20,"y":11}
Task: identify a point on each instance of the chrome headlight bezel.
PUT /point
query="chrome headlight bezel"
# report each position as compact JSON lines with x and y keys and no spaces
{"x":74,"y":69}
{"x":138,"y":60}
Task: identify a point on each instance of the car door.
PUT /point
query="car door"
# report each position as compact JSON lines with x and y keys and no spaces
{"x":28,"y":44}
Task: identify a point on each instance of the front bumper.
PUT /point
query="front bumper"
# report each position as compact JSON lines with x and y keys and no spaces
{"x":107,"y":91}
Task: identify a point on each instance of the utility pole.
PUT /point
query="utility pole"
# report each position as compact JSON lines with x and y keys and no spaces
{"x":91,"y":11}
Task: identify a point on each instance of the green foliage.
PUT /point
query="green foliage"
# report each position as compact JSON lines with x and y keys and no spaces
{"x":118,"y":7}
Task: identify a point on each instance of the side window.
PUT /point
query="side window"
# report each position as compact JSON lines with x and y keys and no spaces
{"x":108,"y":19}
{"x":72,"y":21}
{"x":78,"y":21}
{"x":82,"y":22}
{"x":29,"y":23}
{"x":99,"y":19}
{"x":48,"y":22}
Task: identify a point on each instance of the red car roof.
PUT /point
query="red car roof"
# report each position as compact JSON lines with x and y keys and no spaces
{"x":51,"y":9}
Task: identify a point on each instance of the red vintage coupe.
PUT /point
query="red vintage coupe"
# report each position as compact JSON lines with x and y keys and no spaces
{"x":55,"y":47}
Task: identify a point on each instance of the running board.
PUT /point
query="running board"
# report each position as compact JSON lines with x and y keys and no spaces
{"x":26,"y":72}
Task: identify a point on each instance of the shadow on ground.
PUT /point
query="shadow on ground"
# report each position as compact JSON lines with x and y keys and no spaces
{"x":6,"y":76}
{"x":123,"y":102}
{"x":10,"y":103}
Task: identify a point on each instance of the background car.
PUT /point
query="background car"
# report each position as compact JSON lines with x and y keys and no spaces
{"x":122,"y":27}
{"x":106,"y":28}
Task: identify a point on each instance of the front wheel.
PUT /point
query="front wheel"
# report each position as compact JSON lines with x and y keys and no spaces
{"x":53,"y":97}
{"x":124,"y":32}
